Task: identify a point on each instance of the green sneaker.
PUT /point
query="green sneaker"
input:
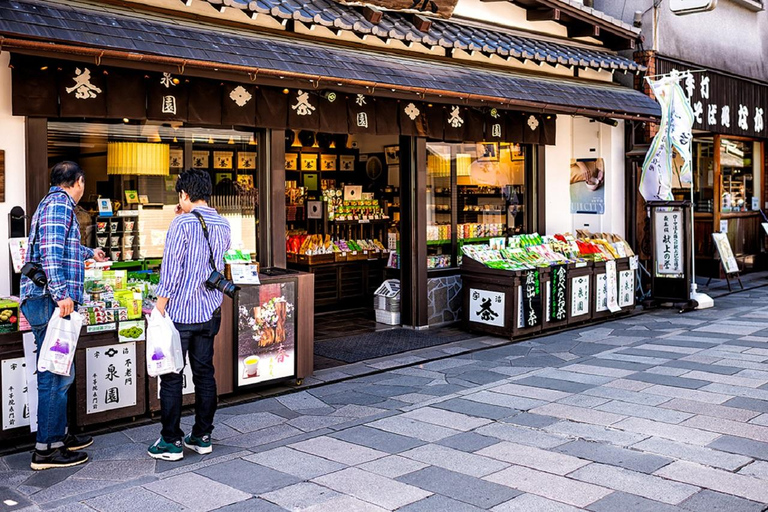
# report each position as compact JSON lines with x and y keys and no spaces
{"x":166,"y":451}
{"x":201,"y":445}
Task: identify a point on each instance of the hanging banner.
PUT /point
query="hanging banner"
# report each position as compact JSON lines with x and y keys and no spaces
{"x":413,"y":118}
{"x":656,"y":178}
{"x":333,"y":112}
{"x":82,"y":91}
{"x":204,"y":104}
{"x":238,"y":104}
{"x":612,"y":285}
{"x":726,"y":253}
{"x":531,"y":297}
{"x":486,"y":307}
{"x":33,"y":87}
{"x":167,"y":96}
{"x":668,"y":243}
{"x":454,"y":123}
{"x":110,"y":376}
{"x":361,"y":114}
{"x":495,"y":126}
{"x":303,"y":113}
{"x":558,"y":311}
{"x":126,"y":94}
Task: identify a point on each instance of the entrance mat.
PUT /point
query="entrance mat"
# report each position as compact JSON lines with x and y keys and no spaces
{"x":353,"y":349}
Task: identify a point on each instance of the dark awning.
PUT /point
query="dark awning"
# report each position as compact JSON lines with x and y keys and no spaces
{"x":197,"y":44}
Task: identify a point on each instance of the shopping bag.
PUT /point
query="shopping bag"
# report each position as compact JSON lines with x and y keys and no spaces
{"x":58,"y":350}
{"x":164,"y":353}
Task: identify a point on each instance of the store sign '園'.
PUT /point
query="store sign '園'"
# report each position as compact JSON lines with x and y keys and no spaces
{"x":443,"y":8}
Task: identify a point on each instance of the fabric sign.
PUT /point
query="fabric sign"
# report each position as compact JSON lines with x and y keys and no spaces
{"x":126,"y":94}
{"x":303,"y":113}
{"x":387,"y":119}
{"x":204,"y":106}
{"x":333,"y":112}
{"x":238,"y":105}
{"x":495,"y":125}
{"x":167,"y":97}
{"x":271,"y":108}
{"x":82,"y":91}
{"x":33,"y":83}
{"x":361,"y":114}
{"x":454,"y":123}
{"x":413,"y":118}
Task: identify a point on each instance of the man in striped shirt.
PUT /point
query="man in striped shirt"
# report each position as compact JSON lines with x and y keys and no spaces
{"x":195,"y":310}
{"x":54,"y":243}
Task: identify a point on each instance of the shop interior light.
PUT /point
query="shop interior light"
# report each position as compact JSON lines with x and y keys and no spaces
{"x":126,"y":120}
{"x":210,"y":140}
{"x":138,"y":159}
{"x":231,"y":140}
{"x":252,"y":141}
{"x":296,"y":142}
{"x":315,"y":144}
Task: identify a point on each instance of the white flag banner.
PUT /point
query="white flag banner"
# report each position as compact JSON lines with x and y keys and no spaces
{"x":680,"y":126}
{"x":656,"y":179}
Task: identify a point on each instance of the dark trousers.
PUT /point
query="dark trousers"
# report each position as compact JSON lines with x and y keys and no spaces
{"x":197,"y":340}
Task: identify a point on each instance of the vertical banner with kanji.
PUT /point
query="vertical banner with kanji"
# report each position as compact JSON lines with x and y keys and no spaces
{"x":668,"y":243}
{"x":531,"y":298}
{"x":110,"y":377}
{"x":611,"y":285}
{"x":579,"y":296}
{"x":559,"y":299}
{"x":15,"y":409}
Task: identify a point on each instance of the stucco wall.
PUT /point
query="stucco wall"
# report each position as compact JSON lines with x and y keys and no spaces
{"x":12,"y":142}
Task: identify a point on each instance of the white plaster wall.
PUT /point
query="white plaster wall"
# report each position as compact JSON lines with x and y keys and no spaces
{"x":574,"y":136}
{"x":12,"y":142}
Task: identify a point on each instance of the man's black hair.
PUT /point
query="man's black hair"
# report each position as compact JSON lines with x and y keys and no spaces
{"x":66,"y":174}
{"x":196,"y":183}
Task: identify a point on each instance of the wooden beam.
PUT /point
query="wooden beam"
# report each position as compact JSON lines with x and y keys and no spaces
{"x":421,"y":23}
{"x":583,"y":30}
{"x":543,"y":15}
{"x":372,"y":14}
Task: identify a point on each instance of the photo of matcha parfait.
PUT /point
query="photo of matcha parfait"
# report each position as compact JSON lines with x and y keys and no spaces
{"x":266,"y":333}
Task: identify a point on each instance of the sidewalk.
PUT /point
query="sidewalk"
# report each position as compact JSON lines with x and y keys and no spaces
{"x":659,"y":411}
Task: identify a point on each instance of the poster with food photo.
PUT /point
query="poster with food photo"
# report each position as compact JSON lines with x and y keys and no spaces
{"x":266,"y":335}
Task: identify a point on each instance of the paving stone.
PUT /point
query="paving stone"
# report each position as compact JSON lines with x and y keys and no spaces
{"x":594,"y":433}
{"x":392,"y":466}
{"x":475,"y":465}
{"x":45,"y":479}
{"x":301,"y":496}
{"x":668,"y":380}
{"x":251,"y":505}
{"x":734,"y":428}
{"x":653,"y":361}
{"x":357,"y":411}
{"x":538,"y":361}
{"x":731,"y":328}
{"x":531,"y":502}
{"x":565,"y":374}
{"x":578,"y":414}
{"x":617,"y":364}
{"x":727,"y":389}
{"x":711,"y":368}
{"x":437,"y":502}
{"x":247,"y":476}
{"x":555,"y":487}
{"x":412,"y":428}
{"x":262,"y":437}
{"x":556,"y":384}
{"x":482,"y":377}
{"x":300,"y":401}
{"x":293,"y":462}
{"x":393,"y":363}
{"x":311,"y":423}
{"x":120,"y":471}
{"x":748,"y":403}
{"x":629,"y":502}
{"x":627,"y":396}
{"x":716,"y":479}
{"x":411,"y":381}
{"x":353,"y":398}
{"x":727,"y":379}
{"x":758,"y":469}
{"x":711,"y":501}
{"x":338,"y":450}
{"x":590,"y":349}
{"x":71,"y":487}
{"x":529,"y":437}
{"x":655,"y":354}
{"x":678,"y":433}
{"x":666,"y":370}
{"x":137,"y":500}
{"x":384,"y":492}
{"x":644,"y":411}
{"x":717,"y":411}
{"x":443,"y":389}
{"x":502,"y":400}
{"x":632,"y":482}
{"x":760,"y":420}
{"x":468,"y":442}
{"x":598,"y":370}
{"x":742,"y":446}
{"x":689,"y":394}
{"x":535,"y":458}
{"x":629,"y":385}
{"x":444,"y":364}
{"x":196,"y":491}
{"x":513,"y":371}
{"x":527,"y":419}
{"x":538,"y":393}
{"x":615,"y":456}
{"x":457,"y":486}
{"x":673,"y":341}
{"x":444,"y":418}
{"x":377,"y":439}
{"x":476,"y":409}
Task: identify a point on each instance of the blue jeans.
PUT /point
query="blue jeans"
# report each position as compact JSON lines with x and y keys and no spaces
{"x":197,"y":340}
{"x":52,"y":389}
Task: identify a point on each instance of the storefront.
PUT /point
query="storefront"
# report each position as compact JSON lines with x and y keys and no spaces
{"x":729,"y":163}
{"x":343,"y":180}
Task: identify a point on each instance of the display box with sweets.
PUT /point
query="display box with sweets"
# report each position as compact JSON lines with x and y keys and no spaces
{"x":9,"y":315}
{"x":131,"y":301}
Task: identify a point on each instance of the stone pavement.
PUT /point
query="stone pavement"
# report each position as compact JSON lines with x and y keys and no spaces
{"x":656,"y":412}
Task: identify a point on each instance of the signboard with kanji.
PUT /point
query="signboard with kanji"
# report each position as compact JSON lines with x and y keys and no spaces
{"x":668,"y":231}
{"x":726,"y":253}
{"x":579,"y":296}
{"x":559,"y":286}
{"x":15,"y":408}
{"x":486,"y":307}
{"x":110,"y":377}
{"x":626,"y":288}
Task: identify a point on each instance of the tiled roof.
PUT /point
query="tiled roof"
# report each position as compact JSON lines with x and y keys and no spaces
{"x":105,"y":29}
{"x":444,"y":33}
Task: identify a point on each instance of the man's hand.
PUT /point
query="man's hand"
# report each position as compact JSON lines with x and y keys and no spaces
{"x":66,"y":307}
{"x":99,"y":255}
{"x":178,"y":210}
{"x":160,"y":305}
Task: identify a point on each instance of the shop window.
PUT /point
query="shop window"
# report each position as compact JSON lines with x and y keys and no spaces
{"x":703,"y":177}
{"x":475,"y":192}
{"x":740,"y":193}
{"x":135,"y":166}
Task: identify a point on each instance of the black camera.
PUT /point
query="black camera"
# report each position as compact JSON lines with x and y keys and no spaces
{"x":34,"y":271}
{"x":217,"y":281}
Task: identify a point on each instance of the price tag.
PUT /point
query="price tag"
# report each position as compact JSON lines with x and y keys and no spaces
{"x":102,"y":327}
{"x":364,"y":221}
{"x":633,"y":263}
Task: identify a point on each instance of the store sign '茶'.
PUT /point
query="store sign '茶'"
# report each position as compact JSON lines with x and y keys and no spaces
{"x":486,"y":307}
{"x":443,"y":8}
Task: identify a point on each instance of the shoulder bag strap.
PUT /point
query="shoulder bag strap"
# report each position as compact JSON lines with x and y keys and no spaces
{"x":211,"y":260}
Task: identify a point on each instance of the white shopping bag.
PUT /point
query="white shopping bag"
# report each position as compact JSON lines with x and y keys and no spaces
{"x":60,"y":343}
{"x":164,"y":353}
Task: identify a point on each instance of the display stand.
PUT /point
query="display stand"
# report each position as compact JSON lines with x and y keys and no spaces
{"x":727,"y":260}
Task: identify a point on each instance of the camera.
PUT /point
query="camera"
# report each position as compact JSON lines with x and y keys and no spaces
{"x":34,"y":271}
{"x":217,"y":281}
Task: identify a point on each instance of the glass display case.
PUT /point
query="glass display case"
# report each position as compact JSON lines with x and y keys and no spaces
{"x":736,"y":171}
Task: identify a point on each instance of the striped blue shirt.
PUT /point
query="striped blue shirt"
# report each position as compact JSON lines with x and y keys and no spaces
{"x":186,"y":266}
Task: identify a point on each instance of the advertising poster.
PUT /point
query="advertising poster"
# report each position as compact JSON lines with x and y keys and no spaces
{"x":266,"y":338}
{"x":587,"y":186}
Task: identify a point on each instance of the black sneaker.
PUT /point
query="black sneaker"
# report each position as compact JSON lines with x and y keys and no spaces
{"x":74,"y":443}
{"x":57,"y":458}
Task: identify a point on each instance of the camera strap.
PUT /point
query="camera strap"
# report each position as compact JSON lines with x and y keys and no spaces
{"x":211,"y":260}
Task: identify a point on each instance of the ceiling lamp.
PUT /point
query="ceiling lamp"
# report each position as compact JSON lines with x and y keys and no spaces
{"x":138,"y":159}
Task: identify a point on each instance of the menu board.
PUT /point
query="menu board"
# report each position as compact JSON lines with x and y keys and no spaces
{"x":266,"y":332}
{"x":726,"y":253}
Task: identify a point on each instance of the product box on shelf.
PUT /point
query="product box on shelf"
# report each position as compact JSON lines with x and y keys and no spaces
{"x":9,"y":315}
